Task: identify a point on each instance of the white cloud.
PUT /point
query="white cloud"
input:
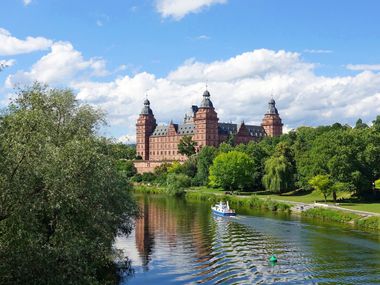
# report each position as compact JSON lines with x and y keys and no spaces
{"x":247,"y":65}
{"x":203,"y":37}
{"x":177,"y":9}
{"x":361,"y":67}
{"x":12,"y":46}
{"x":240,"y":87}
{"x":62,"y":65}
{"x":27,"y":2}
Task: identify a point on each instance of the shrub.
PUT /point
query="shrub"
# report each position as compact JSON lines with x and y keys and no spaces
{"x":176,"y":184}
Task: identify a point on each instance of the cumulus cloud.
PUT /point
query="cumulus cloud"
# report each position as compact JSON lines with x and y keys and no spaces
{"x":11,"y":45}
{"x":240,"y":88}
{"x":361,"y":67}
{"x":177,"y":9}
{"x":252,"y":64}
{"x":61,"y":65}
{"x":27,"y":2}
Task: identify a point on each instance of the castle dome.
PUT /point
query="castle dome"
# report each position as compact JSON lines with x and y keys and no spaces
{"x":272,"y":110}
{"x":206,"y":102}
{"x":146,"y":110}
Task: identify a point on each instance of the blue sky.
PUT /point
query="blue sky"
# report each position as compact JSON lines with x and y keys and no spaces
{"x":118,"y":50}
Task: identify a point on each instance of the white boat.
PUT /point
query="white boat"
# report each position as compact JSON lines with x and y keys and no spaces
{"x":223,"y":209}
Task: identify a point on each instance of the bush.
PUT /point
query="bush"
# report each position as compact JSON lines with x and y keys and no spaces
{"x":176,"y":184}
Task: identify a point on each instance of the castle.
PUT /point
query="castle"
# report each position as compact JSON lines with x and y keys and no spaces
{"x":157,"y":144}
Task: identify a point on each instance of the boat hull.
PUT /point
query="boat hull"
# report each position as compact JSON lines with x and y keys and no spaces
{"x":223,"y":214}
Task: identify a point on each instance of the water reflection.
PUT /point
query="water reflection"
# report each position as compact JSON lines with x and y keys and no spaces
{"x":178,"y":242}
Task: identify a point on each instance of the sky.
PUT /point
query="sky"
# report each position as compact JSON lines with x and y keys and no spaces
{"x":319,"y":59}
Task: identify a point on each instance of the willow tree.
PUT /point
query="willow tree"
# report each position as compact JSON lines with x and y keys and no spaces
{"x":62,"y":201}
{"x":279,"y":174}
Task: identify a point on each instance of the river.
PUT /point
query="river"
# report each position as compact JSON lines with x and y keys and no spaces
{"x":182,"y":242}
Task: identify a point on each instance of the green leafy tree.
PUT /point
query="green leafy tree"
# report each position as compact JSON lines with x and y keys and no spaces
{"x":322,"y":183}
{"x":126,"y":167}
{"x":279,"y":169}
{"x":62,"y":199}
{"x":376,"y":123}
{"x":205,"y":158}
{"x":225,"y":147}
{"x":339,"y":187}
{"x":186,"y":146}
{"x":278,"y":174}
{"x":360,"y":125}
{"x":232,"y":171}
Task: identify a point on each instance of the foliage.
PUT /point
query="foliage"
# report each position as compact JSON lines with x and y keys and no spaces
{"x":126,"y":167}
{"x":279,"y":170}
{"x":189,"y":167}
{"x":232,"y":171}
{"x":205,"y":158}
{"x":123,"y":151}
{"x":160,"y":173}
{"x":377,"y":184}
{"x":322,"y":183}
{"x":186,"y":146}
{"x":176,"y":184}
{"x":62,"y":200}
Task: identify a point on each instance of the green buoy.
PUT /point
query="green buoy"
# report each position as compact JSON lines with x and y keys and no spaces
{"x":273,"y":259}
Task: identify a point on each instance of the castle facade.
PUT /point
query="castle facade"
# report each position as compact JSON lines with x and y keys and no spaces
{"x":156,"y":144}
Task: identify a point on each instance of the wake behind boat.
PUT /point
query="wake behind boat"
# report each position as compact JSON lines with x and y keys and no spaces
{"x":223,"y":209}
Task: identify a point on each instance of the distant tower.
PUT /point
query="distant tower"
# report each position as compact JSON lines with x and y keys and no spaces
{"x":146,"y":123}
{"x":206,"y":123}
{"x":272,"y":123}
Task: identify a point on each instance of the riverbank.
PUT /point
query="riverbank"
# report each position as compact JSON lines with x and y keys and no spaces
{"x":364,"y":221}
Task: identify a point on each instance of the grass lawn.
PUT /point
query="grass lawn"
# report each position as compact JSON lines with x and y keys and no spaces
{"x":303,"y":197}
{"x":368,"y":207}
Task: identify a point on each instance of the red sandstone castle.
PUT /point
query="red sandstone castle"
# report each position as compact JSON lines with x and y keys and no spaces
{"x":156,"y":144}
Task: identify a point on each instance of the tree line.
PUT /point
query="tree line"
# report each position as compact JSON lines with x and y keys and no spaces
{"x":327,"y":158}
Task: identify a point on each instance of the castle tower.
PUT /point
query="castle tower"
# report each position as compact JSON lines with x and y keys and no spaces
{"x":272,"y":123}
{"x":206,"y":123}
{"x":146,"y":123}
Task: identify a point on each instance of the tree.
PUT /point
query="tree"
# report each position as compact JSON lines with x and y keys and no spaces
{"x":62,"y":200}
{"x":126,"y":167}
{"x":278,"y":174}
{"x":339,"y":187}
{"x":232,"y":171}
{"x":376,"y":123}
{"x":360,"y":125}
{"x":186,"y":146}
{"x":205,"y":158}
{"x":322,"y":183}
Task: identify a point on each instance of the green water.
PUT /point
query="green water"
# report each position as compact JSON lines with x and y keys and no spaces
{"x":182,"y":242}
